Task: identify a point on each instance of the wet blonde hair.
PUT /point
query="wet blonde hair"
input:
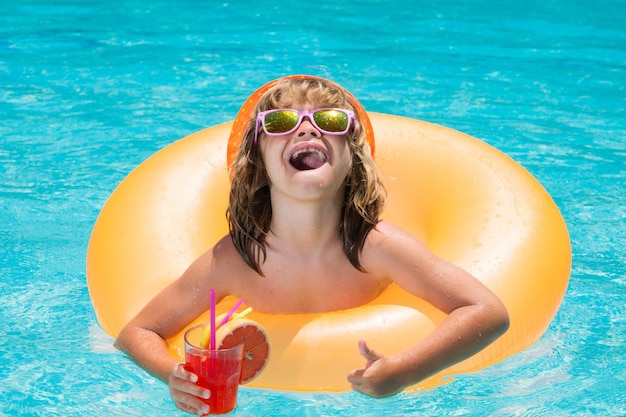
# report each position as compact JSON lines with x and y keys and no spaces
{"x":249,"y":212}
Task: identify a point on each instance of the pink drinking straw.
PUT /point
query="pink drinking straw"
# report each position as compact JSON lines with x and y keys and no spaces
{"x":212,"y":293}
{"x":231,"y":312}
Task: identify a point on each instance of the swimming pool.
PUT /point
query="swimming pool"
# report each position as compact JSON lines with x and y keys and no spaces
{"x":88,"y":91}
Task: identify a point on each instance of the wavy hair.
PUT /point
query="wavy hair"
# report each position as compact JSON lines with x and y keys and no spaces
{"x":249,"y":212}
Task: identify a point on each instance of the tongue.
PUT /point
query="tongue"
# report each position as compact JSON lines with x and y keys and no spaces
{"x":307,"y":160}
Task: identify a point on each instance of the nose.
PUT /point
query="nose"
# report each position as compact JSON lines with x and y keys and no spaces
{"x":307,"y":128}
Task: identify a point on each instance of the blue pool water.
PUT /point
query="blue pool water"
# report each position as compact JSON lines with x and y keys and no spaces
{"x":89,"y":89}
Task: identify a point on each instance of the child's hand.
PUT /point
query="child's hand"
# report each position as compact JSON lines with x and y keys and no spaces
{"x":186,"y":393}
{"x":378,"y":378}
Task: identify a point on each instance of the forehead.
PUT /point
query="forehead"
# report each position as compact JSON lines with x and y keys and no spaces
{"x":300,"y":99}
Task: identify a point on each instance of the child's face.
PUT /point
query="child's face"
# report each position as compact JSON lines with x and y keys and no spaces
{"x":306,"y":164}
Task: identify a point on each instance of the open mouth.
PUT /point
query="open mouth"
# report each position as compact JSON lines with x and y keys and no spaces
{"x":308,"y":158}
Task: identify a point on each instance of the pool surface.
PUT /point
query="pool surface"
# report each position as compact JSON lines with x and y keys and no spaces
{"x":89,"y":89}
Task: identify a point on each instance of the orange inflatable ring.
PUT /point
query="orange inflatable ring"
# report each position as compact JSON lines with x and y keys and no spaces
{"x":469,"y":203}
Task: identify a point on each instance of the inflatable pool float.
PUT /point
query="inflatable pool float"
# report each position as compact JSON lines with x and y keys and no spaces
{"x":468,"y":202}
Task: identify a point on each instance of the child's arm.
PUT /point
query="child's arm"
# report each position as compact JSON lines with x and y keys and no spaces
{"x":143,"y":338}
{"x":476,"y":317}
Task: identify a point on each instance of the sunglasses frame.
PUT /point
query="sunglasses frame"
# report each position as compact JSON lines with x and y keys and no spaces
{"x":260,"y":120}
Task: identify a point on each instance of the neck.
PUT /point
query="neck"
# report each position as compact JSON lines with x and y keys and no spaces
{"x":304,"y":225}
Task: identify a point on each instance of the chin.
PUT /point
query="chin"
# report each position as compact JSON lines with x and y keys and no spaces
{"x":320,"y":179}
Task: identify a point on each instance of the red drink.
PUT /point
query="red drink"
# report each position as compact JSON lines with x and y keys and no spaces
{"x":221,"y":377}
{"x":217,"y":370}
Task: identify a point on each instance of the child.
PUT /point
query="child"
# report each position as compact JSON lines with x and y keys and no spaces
{"x":306,"y":196}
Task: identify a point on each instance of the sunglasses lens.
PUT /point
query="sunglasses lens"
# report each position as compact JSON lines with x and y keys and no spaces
{"x":281,"y":121}
{"x":331,"y":120}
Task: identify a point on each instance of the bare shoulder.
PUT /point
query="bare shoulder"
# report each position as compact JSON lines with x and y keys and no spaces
{"x":391,"y":252}
{"x":410,"y":264}
{"x":389,"y":244}
{"x":389,"y":230}
{"x":219,"y":267}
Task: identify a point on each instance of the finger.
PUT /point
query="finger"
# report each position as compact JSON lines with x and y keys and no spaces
{"x":181,"y":372}
{"x":355,"y":377}
{"x":366,"y":352}
{"x":184,"y":387}
{"x":185,"y":381}
{"x":189,"y":402}
{"x":194,"y":406}
{"x":358,"y":384}
{"x":192,"y":389}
